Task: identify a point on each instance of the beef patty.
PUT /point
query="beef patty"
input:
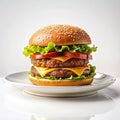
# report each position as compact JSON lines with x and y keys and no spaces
{"x":59,"y":73}
{"x":53,"y":63}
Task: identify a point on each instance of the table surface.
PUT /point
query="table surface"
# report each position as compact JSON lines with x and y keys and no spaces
{"x":18,"y":105}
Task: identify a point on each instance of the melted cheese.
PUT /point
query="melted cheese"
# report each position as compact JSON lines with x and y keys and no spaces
{"x":77,"y":70}
{"x":62,"y":58}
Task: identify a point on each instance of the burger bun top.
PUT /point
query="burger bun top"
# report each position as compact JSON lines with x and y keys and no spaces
{"x":60,"y":35}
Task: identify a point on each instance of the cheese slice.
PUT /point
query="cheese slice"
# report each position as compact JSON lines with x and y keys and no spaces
{"x":62,"y":58}
{"x":77,"y":70}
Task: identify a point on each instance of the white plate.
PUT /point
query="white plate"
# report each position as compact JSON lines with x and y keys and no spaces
{"x":20,"y":80}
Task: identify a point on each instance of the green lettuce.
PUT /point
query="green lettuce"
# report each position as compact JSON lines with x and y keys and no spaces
{"x":83,"y":48}
{"x":79,"y":77}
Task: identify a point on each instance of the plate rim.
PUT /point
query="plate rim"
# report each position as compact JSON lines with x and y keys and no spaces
{"x":6,"y":79}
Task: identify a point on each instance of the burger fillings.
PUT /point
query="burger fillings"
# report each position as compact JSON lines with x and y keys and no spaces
{"x":60,"y":55}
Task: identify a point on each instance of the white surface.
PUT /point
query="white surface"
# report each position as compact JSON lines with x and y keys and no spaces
{"x":20,"y":19}
{"x":20,"y":80}
{"x":16,"y":104}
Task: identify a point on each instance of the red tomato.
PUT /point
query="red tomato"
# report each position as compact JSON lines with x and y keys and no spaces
{"x":89,"y":57}
{"x":40,"y":56}
{"x":77,"y":55}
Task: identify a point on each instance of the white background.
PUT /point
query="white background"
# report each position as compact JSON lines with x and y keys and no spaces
{"x":19,"y":19}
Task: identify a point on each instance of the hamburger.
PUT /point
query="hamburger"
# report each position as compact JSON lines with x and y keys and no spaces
{"x":60,"y":56}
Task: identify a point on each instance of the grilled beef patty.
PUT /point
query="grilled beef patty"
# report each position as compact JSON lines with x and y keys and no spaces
{"x":53,"y":63}
{"x":59,"y":73}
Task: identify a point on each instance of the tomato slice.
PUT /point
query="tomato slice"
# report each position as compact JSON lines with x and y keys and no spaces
{"x":40,"y":56}
{"x":77,"y":55}
{"x":89,"y":57}
{"x":65,"y":53}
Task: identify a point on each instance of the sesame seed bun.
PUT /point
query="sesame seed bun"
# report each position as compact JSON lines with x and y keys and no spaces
{"x":60,"y":35}
{"x":48,"y":82}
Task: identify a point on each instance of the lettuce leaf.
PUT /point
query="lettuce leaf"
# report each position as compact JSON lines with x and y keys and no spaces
{"x":83,"y":48}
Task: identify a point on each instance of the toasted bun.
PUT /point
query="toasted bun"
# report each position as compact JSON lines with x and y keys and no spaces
{"x":60,"y":35}
{"x":46,"y":82}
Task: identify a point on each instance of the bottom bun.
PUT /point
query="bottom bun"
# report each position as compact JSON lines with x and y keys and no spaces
{"x":47,"y":82}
